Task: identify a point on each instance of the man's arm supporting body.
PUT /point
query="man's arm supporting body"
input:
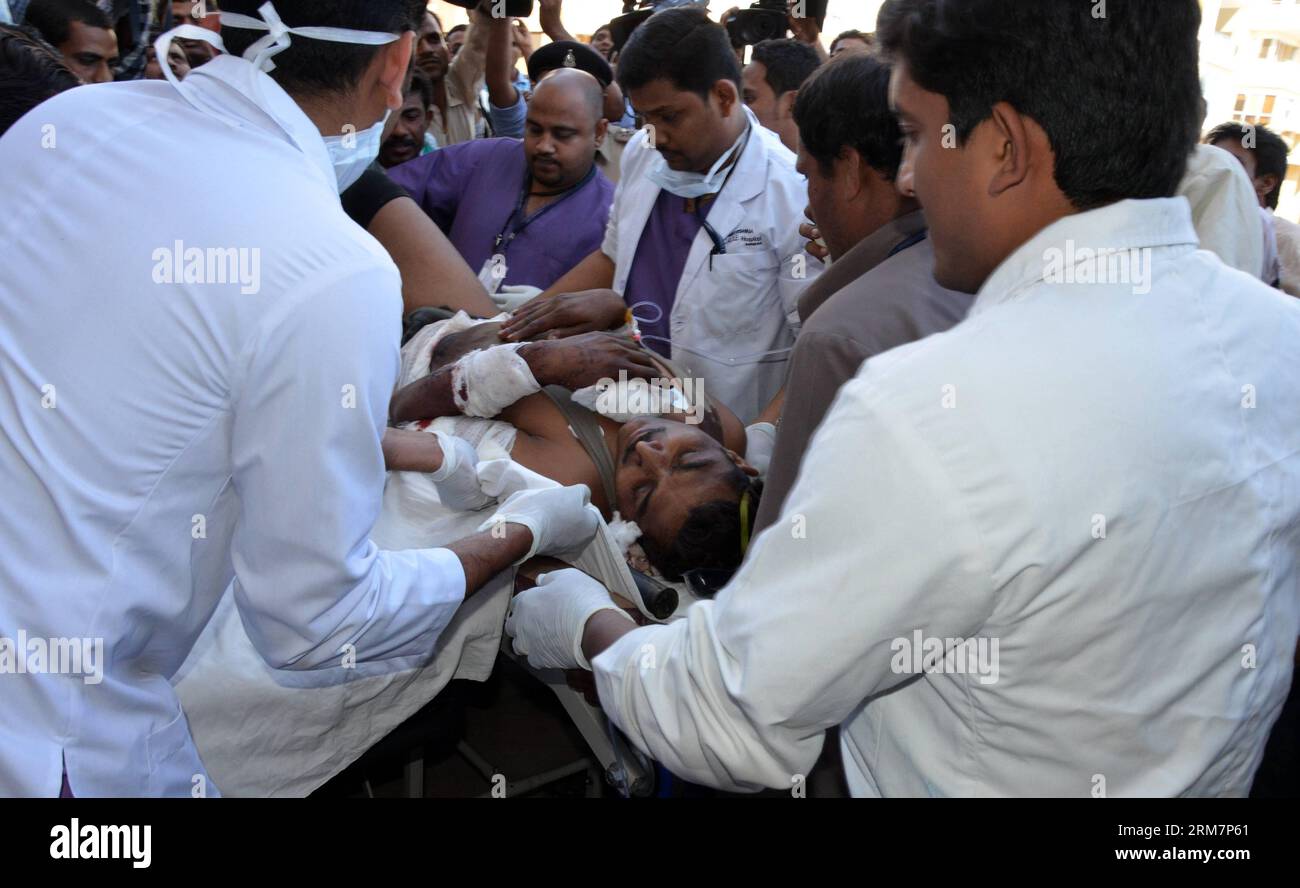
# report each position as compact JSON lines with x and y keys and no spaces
{"x":309,"y":395}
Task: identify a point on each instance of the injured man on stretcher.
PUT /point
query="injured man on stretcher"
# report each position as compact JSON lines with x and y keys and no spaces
{"x":662,"y":460}
{"x":466,"y":404}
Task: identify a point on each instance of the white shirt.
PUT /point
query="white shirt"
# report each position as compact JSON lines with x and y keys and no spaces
{"x":1225,"y":209}
{"x":961,"y":486}
{"x":733,"y":325}
{"x":164,"y":438}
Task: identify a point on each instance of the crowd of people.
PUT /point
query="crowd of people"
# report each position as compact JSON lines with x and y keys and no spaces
{"x":964,"y":328}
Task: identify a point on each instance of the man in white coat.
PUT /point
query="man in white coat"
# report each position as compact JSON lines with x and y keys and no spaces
{"x":188,"y":399}
{"x":703,"y":241}
{"x":1053,"y":550}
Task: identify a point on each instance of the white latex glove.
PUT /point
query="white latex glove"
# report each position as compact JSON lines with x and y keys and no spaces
{"x":503,"y":478}
{"x":457,"y":481}
{"x":547,"y":622}
{"x":760,"y":441}
{"x":562,"y":519}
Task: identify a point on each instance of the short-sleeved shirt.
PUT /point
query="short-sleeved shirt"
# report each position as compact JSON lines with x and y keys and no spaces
{"x":363,"y":200}
{"x":472,"y":191}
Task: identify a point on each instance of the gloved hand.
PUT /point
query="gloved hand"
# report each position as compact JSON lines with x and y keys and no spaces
{"x":562,"y":519}
{"x":457,"y":480}
{"x":503,"y":478}
{"x":547,"y":621}
{"x":760,"y":441}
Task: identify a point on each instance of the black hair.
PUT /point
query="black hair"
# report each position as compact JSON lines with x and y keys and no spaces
{"x":788,"y":62}
{"x":457,"y":29}
{"x":54,"y":18}
{"x":420,"y":83}
{"x":1117,"y":94}
{"x":683,"y":46}
{"x":846,"y":105}
{"x":30,"y":72}
{"x":709,"y":538}
{"x":1269,"y":149}
{"x":854,"y":34}
{"x":321,"y":67}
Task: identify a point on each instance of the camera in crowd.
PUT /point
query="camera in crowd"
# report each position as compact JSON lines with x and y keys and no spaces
{"x":514,"y":8}
{"x":769,"y":20}
{"x":637,"y":11}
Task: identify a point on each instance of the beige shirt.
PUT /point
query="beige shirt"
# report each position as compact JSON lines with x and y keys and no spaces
{"x":464,"y":79}
{"x":866,"y":303}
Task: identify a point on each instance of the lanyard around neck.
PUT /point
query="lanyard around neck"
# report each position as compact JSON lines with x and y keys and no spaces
{"x":504,"y":239}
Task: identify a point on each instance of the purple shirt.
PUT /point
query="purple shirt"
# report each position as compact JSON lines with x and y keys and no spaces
{"x":471,"y":189}
{"x":661,"y":256}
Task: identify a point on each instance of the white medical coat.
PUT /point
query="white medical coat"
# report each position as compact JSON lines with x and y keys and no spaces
{"x":163,"y":438}
{"x":747,"y":304}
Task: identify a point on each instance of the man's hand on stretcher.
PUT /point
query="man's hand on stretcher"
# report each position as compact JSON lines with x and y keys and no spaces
{"x":566,"y":314}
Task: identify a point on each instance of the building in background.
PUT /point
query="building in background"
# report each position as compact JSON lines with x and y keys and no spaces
{"x":1250,"y":68}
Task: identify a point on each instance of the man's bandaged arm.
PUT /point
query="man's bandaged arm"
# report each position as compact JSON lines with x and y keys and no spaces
{"x":480,"y":384}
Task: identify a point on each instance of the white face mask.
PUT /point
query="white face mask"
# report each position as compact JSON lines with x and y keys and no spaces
{"x":350,"y":153}
{"x":688,"y":184}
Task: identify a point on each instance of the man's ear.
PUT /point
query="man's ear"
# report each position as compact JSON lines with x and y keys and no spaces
{"x":851,"y":172}
{"x":1009,"y":140}
{"x":728,"y":96}
{"x":741,"y":464}
{"x":1264,"y":186}
{"x":785,"y":104}
{"x":602,"y":127}
{"x":394,"y":63}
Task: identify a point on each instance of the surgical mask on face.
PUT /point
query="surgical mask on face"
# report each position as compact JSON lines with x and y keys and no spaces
{"x":688,"y":184}
{"x":350,"y":153}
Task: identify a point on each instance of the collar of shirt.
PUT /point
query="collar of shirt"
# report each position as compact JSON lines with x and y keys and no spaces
{"x":865,"y":255}
{"x":210,"y":87}
{"x":1126,"y":225}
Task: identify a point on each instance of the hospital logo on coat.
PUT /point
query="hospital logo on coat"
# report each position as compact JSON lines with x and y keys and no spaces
{"x":179,"y":264}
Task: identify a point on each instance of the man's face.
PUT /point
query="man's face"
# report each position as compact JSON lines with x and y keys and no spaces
{"x":664,"y":470}
{"x":430,"y":51}
{"x":455,"y":42}
{"x":1248,"y":160}
{"x":175,"y":55}
{"x":603,"y":42}
{"x":850,"y":44}
{"x":825,"y":208}
{"x":197,"y":53}
{"x":90,"y":52}
{"x":759,"y":95}
{"x":560,"y":138}
{"x":407,"y":136}
{"x":945,"y":179}
{"x":689,"y":131}
{"x":183,"y":13}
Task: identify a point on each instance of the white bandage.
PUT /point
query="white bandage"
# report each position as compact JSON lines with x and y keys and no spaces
{"x":760,"y":440}
{"x":487,"y":381}
{"x":626,"y":399}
